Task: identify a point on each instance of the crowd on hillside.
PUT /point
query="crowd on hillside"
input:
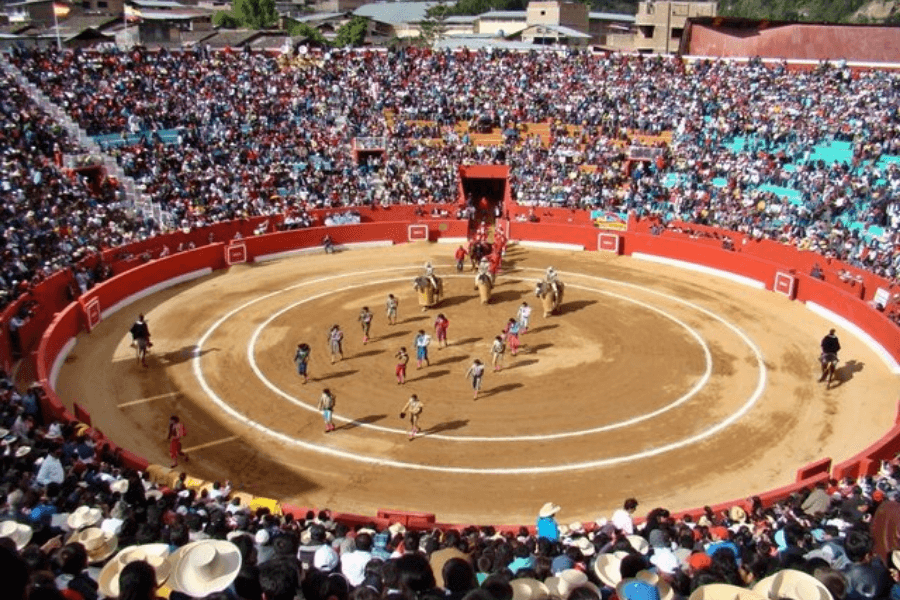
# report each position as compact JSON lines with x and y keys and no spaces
{"x":76,"y":525}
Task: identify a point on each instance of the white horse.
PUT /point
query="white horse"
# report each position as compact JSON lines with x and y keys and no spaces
{"x":551,"y":295}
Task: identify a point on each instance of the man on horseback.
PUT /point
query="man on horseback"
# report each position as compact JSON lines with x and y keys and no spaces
{"x":551,"y":279}
{"x":484,"y":269}
{"x":830,"y":348}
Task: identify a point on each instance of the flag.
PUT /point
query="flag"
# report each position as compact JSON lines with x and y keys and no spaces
{"x":60,"y":10}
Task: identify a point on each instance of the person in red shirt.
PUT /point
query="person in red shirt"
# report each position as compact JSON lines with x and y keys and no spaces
{"x":460,"y":256}
{"x":176,"y":433}
{"x":440,"y":330}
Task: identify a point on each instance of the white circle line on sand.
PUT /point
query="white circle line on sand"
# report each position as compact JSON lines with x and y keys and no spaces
{"x":593,"y":464}
{"x":251,"y":358}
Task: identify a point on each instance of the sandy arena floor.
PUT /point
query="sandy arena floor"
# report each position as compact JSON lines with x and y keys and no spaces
{"x":654,"y":382}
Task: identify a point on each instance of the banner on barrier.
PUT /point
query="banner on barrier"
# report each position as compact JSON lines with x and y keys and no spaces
{"x":609,"y":242}
{"x":418,"y":233}
{"x":92,"y":313}
{"x":607,"y":220}
{"x":236,"y":253}
{"x":786,"y":284}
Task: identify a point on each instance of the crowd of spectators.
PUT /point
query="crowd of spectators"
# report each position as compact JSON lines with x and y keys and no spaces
{"x":76,"y":525}
{"x":259,"y":134}
{"x":265,"y":135}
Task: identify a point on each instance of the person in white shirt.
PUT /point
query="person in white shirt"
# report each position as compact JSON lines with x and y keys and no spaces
{"x":51,"y":470}
{"x":622,"y":517}
{"x":353,"y":564}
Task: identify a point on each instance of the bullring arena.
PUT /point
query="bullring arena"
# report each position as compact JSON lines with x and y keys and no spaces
{"x":653,"y":381}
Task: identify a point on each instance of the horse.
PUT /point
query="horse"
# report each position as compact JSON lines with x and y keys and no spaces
{"x":479,"y":251}
{"x":430,"y":289}
{"x":829,"y":362}
{"x":551,"y":295}
{"x":484,"y":284}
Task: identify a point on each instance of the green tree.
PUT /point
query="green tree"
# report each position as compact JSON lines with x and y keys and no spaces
{"x":305,"y":30}
{"x":352,"y":33}
{"x":225,"y":20}
{"x":255,"y":14}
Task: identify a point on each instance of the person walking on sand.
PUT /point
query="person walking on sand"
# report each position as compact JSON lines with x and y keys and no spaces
{"x":391,"y":309}
{"x":476,"y":372}
{"x":301,"y":359}
{"x":413,"y":408}
{"x":175,"y":435}
{"x":402,"y":357}
{"x":326,"y":405}
{"x":365,"y":320}
{"x":512,"y":336}
{"x":523,"y":315}
{"x":336,"y":343}
{"x":140,"y":338}
{"x":422,"y":341}
{"x":498,"y":348}
{"x":440,"y":330}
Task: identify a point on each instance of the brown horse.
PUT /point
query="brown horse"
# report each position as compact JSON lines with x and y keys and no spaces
{"x":430,"y":290}
{"x":485,"y":285}
{"x":551,"y":295}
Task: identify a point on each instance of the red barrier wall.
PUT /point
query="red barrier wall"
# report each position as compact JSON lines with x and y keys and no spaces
{"x":757,"y":260}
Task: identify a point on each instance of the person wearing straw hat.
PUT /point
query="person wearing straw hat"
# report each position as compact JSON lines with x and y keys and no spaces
{"x":561,"y":586}
{"x":204,"y":567}
{"x":19,"y":533}
{"x":547,"y":527}
{"x":724,"y":591}
{"x":791,"y":584}
{"x":155,"y":555}
{"x":98,"y":544}
{"x":84,"y":517}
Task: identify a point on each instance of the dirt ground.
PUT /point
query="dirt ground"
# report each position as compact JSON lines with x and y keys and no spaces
{"x":654,"y":382}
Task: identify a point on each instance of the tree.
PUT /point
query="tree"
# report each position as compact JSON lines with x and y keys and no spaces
{"x":434,"y":26}
{"x":225,"y":20}
{"x":306,"y":30}
{"x":352,"y":33}
{"x":255,"y":14}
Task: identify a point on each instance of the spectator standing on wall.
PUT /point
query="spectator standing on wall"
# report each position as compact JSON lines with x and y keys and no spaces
{"x":547,"y":527}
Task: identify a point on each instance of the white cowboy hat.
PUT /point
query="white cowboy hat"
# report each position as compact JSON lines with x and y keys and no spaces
{"x":84,"y":516}
{"x":563,"y":584}
{"x":548,"y":510}
{"x":638,"y":543}
{"x":23,"y":451}
{"x":204,"y":567}
{"x":794,"y":585}
{"x":527,"y":588}
{"x":585,"y":545}
{"x":396,"y":528}
{"x":724,"y":591}
{"x":153,"y":494}
{"x":119,"y":486}
{"x":607,"y":568}
{"x":17,"y":532}
{"x":99,"y":544}
{"x":156,"y":555}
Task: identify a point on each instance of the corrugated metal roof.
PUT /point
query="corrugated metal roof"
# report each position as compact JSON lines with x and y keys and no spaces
{"x":319,"y":17}
{"x":458,"y":42}
{"x":395,"y":12}
{"x":157,"y":4}
{"x":605,"y":16}
{"x":562,"y":30}
{"x":461,"y":19}
{"x":504,"y":14}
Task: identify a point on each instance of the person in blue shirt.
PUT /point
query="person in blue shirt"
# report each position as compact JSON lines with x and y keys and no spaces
{"x":547,"y":527}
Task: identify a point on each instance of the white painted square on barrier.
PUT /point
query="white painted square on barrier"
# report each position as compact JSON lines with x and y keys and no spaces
{"x":92,"y":313}
{"x":609,"y":242}
{"x":786,"y":284}
{"x":236,"y":253}
{"x":418,"y":233}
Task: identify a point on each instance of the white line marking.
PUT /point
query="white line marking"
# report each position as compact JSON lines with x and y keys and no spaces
{"x":149,"y":399}
{"x":347,"y":455}
{"x":213,"y":443}
{"x":473,"y":438}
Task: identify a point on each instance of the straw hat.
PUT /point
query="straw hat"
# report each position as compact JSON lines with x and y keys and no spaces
{"x":563,"y":584}
{"x":396,"y":528}
{"x":792,"y":584}
{"x":23,"y":451}
{"x":638,"y":543}
{"x":119,"y":486}
{"x":724,"y":591}
{"x":84,"y":516}
{"x":607,"y":567}
{"x":548,"y":510}
{"x":585,"y":545}
{"x":737,"y":514}
{"x":204,"y":567}
{"x":156,"y":555}
{"x":17,"y":532}
{"x":99,"y":544}
{"x":527,"y":588}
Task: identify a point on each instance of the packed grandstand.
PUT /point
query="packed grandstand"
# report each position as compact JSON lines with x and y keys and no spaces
{"x":810,"y":158}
